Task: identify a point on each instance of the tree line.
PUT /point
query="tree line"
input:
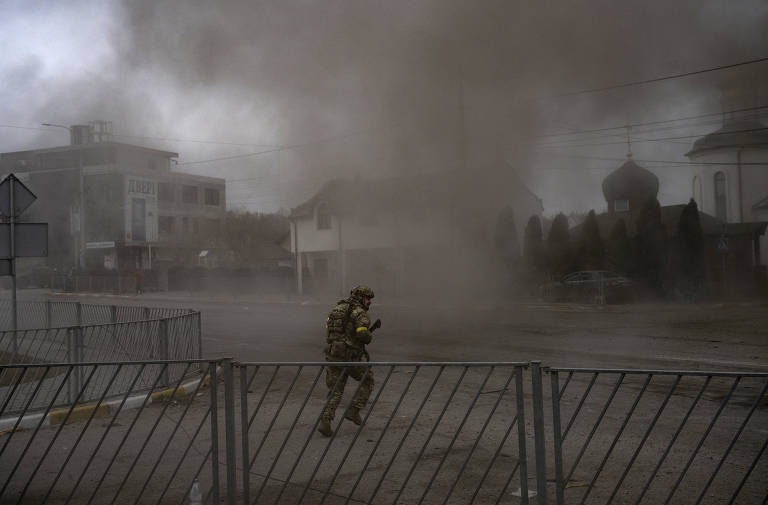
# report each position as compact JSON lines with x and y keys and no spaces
{"x":667,"y":265}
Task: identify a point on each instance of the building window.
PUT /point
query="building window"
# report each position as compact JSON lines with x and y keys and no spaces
{"x":323,"y":217}
{"x":697,"y":194}
{"x":620,"y":205}
{"x":165,"y":224}
{"x":720,"y":197}
{"x":151,"y":164}
{"x":211,"y":197}
{"x":189,"y":194}
{"x":165,"y":192}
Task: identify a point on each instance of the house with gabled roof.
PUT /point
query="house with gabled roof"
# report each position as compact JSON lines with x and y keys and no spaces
{"x":399,"y":233}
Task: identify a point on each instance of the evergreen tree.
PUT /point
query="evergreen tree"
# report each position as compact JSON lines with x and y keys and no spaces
{"x":650,"y":244}
{"x":533,"y":251}
{"x":690,"y":268}
{"x":559,"y":246}
{"x":505,"y":236}
{"x":619,"y":250}
{"x":507,"y":248}
{"x":591,"y":249}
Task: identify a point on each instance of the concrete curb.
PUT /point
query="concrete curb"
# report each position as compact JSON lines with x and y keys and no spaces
{"x":103,"y":409}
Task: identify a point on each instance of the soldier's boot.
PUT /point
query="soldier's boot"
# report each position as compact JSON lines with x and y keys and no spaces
{"x":353,"y":414}
{"x":325,"y":427}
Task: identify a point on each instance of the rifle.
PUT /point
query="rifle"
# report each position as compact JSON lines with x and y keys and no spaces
{"x":371,"y":328}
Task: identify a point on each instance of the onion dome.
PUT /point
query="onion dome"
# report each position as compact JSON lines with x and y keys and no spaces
{"x":629,"y":186}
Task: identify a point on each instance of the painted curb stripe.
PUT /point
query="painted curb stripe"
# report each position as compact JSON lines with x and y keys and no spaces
{"x":78,"y":414}
{"x":104,"y":409}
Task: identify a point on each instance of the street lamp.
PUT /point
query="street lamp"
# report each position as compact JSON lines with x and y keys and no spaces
{"x":80,"y":244}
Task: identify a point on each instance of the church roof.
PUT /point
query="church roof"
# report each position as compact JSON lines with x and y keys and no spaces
{"x":630,"y":182}
{"x":737,"y":133}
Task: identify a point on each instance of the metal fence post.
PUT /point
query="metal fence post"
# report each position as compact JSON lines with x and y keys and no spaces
{"x":48,"y":314}
{"x":243,"y":370}
{"x":214,"y":432}
{"x":558,"y":436}
{"x":79,"y":358}
{"x":72,"y":357}
{"x":229,"y":430}
{"x":164,"y":350}
{"x":113,"y":313}
{"x":521,"y":435}
{"x":539,"y":437}
{"x":16,"y":356}
{"x":79,"y":314}
{"x":199,"y":336}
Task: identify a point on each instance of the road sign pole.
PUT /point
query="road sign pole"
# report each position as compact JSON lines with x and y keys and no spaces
{"x":13,"y":259}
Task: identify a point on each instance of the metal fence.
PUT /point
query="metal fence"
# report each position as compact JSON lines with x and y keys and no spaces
{"x":55,"y":314}
{"x":649,"y":436}
{"x":125,"y":448}
{"x":433,"y":433}
{"x":99,"y":333}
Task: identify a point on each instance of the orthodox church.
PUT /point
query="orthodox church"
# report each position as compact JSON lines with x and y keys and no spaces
{"x":735,"y":251}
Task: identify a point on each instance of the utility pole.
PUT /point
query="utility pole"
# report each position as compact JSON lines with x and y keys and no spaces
{"x":80,"y":237}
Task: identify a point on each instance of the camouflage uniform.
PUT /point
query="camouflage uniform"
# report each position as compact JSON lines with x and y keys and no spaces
{"x":346,"y":336}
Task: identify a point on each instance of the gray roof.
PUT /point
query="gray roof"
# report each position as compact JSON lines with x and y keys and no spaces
{"x":421,"y":191}
{"x":738,"y":133}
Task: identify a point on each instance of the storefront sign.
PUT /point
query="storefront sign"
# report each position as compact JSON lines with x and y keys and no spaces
{"x":141,"y":187}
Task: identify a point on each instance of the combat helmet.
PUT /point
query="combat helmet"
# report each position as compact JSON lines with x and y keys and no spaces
{"x":361,"y":292}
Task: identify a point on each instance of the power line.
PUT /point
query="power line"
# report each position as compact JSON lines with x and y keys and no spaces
{"x":676,"y":163}
{"x":288,"y":147}
{"x":164,"y":139}
{"x":217,"y":142}
{"x":663,"y":78}
{"x":654,"y":140}
{"x":649,"y":123}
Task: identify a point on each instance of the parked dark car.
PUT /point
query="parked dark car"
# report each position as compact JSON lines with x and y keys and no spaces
{"x":589,"y":286}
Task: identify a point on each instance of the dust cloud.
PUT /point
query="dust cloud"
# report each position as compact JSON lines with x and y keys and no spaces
{"x":387,"y":90}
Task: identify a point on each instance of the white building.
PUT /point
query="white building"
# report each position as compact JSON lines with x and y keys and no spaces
{"x":399,"y":234}
{"x":730,"y":175}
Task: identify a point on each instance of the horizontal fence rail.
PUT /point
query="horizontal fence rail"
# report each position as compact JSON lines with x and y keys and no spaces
{"x":56,"y":314}
{"x":650,"y":436}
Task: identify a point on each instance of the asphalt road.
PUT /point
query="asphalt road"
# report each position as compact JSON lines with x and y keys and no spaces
{"x":711,"y":336}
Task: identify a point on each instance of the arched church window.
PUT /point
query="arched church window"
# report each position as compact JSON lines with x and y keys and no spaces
{"x":720,"y":197}
{"x":697,"y":193}
{"x":323,"y":217}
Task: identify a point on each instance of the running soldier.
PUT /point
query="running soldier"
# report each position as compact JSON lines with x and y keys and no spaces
{"x":348,"y":330}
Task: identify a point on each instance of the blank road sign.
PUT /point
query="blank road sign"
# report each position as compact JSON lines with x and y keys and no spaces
{"x":22,"y":196}
{"x":30,"y":240}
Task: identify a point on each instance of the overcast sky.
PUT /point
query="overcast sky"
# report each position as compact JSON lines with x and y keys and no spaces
{"x":380,"y":87}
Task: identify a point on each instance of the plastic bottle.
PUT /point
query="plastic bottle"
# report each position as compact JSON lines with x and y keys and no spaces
{"x":195,"y":496}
